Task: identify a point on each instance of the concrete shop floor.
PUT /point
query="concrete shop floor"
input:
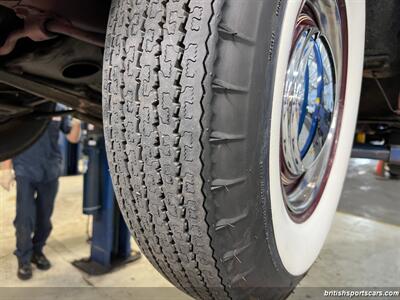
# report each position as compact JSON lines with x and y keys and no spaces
{"x":362,"y":249}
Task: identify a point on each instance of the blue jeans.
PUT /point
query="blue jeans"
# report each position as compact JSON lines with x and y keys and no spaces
{"x":35,"y":203}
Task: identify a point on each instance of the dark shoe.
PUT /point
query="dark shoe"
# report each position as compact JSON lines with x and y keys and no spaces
{"x":24,"y":271}
{"x":41,"y":262}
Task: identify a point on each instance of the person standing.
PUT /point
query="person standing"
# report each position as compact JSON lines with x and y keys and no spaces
{"x":36,"y":172}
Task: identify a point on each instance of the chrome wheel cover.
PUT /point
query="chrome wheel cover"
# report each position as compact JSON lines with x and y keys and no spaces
{"x":312,"y":105}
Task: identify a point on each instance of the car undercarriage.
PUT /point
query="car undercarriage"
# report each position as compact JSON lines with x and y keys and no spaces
{"x":53,"y":51}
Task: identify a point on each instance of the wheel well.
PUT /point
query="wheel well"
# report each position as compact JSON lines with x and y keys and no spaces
{"x":380,"y":89}
{"x":382,"y":43}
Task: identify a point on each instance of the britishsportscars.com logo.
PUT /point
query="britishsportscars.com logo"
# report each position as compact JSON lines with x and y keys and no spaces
{"x":356,"y":293}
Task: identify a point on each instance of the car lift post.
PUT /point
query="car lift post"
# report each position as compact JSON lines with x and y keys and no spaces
{"x":70,"y":153}
{"x":110,"y":242}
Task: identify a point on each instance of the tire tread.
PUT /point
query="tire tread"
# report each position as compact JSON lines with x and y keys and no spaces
{"x":153,"y":135}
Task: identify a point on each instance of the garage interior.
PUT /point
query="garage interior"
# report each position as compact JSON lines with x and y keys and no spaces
{"x":361,"y":250}
{"x":45,"y":60}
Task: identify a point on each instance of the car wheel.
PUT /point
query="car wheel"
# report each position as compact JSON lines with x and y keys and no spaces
{"x":229,"y":126}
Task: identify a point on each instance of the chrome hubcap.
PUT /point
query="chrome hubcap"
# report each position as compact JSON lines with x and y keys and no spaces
{"x":308,"y":102}
{"x":311,"y":107}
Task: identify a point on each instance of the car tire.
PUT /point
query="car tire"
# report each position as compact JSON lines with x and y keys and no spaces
{"x":193,"y":103}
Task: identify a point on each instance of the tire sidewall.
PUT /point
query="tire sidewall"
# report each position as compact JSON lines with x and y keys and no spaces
{"x":298,"y":245}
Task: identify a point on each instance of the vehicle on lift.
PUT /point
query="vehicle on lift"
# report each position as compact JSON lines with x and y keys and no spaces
{"x":228,"y":124}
